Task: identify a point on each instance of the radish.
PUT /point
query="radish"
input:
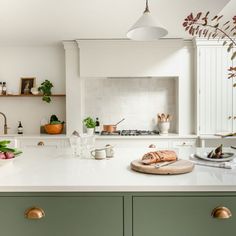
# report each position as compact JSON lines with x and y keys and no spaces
{"x":2,"y":155}
{"x":9,"y":155}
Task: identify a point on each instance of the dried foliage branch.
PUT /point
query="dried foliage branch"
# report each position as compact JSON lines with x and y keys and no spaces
{"x":202,"y":25}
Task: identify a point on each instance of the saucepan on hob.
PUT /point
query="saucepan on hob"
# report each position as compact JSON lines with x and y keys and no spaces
{"x":111,"y":128}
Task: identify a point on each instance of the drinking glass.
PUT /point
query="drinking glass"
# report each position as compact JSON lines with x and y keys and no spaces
{"x":74,"y":142}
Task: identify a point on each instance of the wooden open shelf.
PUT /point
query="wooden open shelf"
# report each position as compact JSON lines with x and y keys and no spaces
{"x":31,"y":95}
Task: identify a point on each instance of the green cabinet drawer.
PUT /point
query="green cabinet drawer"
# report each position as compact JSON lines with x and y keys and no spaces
{"x":73,"y":216}
{"x":182,"y":216}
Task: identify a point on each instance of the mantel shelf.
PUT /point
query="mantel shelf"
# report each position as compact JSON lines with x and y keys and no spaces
{"x":31,"y":95}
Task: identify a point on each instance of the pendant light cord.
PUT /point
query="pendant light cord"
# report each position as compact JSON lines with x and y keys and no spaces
{"x":147,"y":8}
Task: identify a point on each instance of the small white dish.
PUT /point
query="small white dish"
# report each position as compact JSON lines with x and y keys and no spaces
{"x":6,"y":161}
{"x":227,"y":156}
{"x":34,"y":91}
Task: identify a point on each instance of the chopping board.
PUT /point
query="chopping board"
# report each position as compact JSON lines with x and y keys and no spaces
{"x":178,"y":167}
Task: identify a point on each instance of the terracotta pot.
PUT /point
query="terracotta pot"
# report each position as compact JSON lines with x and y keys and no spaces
{"x":53,"y":129}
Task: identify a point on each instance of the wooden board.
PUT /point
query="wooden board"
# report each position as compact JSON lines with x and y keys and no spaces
{"x":179,"y":167}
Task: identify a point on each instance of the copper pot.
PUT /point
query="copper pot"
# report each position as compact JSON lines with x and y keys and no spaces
{"x":111,"y":128}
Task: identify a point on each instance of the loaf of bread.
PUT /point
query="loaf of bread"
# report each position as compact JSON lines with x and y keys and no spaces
{"x":159,"y":156}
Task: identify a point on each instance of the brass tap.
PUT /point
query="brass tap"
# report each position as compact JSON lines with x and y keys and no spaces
{"x":5,"y":122}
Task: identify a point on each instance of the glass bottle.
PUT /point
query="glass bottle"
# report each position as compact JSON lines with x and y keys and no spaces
{"x":20,"y":128}
{"x":0,"y":88}
{"x":97,"y":127}
{"x":4,"y":88}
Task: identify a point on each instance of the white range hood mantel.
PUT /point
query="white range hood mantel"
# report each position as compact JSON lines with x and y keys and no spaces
{"x":125,"y":58}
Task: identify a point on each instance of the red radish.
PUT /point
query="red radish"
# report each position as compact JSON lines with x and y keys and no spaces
{"x":2,"y":155}
{"x":9,"y":155}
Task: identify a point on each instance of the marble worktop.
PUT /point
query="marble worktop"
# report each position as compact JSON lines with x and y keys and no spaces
{"x":57,"y":170}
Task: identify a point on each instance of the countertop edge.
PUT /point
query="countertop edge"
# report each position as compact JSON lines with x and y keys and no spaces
{"x":117,"y":189}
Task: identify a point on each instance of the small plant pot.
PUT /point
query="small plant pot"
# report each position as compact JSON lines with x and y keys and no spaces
{"x":53,"y":128}
{"x":90,"y":131}
{"x":164,"y":127}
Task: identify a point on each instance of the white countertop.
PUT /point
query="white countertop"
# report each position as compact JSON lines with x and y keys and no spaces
{"x":53,"y":170}
{"x":212,"y":136}
{"x":33,"y":136}
{"x":167,"y":136}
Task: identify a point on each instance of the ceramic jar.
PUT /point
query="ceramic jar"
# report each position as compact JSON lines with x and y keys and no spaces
{"x":164,"y":127}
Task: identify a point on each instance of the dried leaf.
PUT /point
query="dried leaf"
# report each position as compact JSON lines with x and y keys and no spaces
{"x":219,"y":17}
{"x":233,"y":56}
{"x":214,"y":18}
{"x":230,"y":47}
{"x":198,"y":16}
{"x":233,"y":28}
{"x":191,"y":29}
{"x":200,"y":33}
{"x":216,"y":26}
{"x":185,"y":24}
{"x":227,"y":28}
{"x":226,"y":23}
{"x":209,"y":35}
{"x":214,"y":35}
{"x":224,"y":43}
{"x":190,"y":17}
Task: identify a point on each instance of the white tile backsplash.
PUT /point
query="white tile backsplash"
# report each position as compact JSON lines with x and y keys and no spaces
{"x":138,"y":100}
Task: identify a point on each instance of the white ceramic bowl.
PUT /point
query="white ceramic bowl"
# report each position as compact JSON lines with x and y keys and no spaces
{"x":6,"y":161}
{"x":34,"y":91}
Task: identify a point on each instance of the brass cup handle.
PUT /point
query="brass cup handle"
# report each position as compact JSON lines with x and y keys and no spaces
{"x":41,"y":143}
{"x":230,"y":117}
{"x":234,"y":117}
{"x":221,"y":212}
{"x":34,"y":213}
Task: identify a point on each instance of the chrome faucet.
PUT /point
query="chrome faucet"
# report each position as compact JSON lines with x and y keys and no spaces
{"x":5,"y":122}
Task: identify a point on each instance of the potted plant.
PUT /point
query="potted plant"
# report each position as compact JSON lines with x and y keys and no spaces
{"x":55,"y":126}
{"x":90,"y":124}
{"x":45,"y":89}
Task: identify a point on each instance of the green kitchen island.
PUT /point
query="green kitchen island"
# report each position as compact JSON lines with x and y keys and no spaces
{"x":48,"y":192}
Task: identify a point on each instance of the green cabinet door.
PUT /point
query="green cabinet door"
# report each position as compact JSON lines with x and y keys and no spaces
{"x":64,"y":216}
{"x":182,"y":216}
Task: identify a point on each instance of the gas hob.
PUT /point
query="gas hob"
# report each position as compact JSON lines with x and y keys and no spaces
{"x":131,"y":133}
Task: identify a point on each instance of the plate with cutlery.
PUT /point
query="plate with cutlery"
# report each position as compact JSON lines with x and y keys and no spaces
{"x":216,"y":155}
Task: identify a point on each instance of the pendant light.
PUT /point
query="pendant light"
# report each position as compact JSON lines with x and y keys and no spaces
{"x":147,"y":28}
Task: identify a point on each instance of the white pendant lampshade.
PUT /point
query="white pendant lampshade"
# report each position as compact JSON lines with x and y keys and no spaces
{"x":147,"y":28}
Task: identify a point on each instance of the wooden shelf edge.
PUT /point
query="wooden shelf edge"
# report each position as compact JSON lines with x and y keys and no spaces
{"x":31,"y":95}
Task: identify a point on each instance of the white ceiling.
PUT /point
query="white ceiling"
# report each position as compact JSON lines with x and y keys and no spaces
{"x":48,"y":21}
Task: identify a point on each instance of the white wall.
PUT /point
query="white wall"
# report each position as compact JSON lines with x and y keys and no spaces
{"x":42,"y":62}
{"x":138,"y":100}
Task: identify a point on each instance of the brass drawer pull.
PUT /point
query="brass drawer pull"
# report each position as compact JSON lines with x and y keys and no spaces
{"x":34,"y":213}
{"x":221,"y":213}
{"x":41,"y":143}
{"x":230,"y":117}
